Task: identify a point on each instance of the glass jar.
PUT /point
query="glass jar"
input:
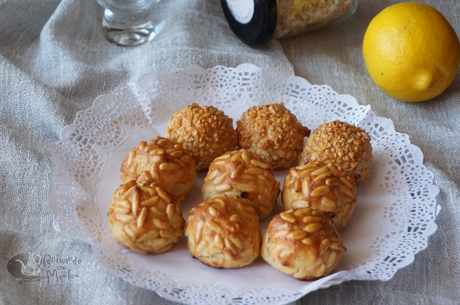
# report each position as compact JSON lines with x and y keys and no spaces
{"x":256,"y":21}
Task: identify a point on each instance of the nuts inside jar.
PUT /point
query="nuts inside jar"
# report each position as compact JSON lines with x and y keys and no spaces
{"x":299,"y":16}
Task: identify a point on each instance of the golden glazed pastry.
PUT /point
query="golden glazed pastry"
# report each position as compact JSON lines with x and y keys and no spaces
{"x":205,"y":131}
{"x":320,"y":187}
{"x":163,"y":162}
{"x":144,"y":218}
{"x":344,"y":145}
{"x":245,"y":174}
{"x":303,"y":244}
{"x":272,"y":132}
{"x":224,"y":232}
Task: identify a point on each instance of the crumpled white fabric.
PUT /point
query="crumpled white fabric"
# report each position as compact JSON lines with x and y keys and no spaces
{"x":54,"y":61}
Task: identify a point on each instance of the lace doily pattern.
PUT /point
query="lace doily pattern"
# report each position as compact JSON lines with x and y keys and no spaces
{"x":408,"y":216}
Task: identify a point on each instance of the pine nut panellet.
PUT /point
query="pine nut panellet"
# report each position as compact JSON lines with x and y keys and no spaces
{"x":163,"y":162}
{"x":224,"y":232}
{"x":245,"y":174}
{"x":317,"y":187}
{"x":302,"y":243}
{"x":145,"y":218}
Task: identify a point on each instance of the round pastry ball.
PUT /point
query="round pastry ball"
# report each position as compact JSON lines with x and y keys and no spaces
{"x":144,"y":218}
{"x":303,"y":244}
{"x":272,"y":132}
{"x":163,"y":162}
{"x":344,"y":145}
{"x":320,"y":187}
{"x":245,"y":174}
{"x":205,"y":131}
{"x":224,"y":232}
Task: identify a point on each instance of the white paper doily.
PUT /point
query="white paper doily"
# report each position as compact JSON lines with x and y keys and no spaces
{"x":395,"y":212}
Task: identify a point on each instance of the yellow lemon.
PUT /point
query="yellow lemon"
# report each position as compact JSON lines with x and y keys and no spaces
{"x":411,"y":51}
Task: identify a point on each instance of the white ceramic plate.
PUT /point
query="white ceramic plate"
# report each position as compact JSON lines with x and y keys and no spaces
{"x":394,"y":214}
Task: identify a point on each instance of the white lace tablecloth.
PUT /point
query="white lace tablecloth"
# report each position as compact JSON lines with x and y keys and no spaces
{"x":54,"y":62}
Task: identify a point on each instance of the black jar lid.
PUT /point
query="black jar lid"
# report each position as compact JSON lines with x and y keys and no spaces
{"x":252,"y":21}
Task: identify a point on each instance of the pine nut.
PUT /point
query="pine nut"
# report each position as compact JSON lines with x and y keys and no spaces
{"x":337,"y":246}
{"x":212,"y":211}
{"x":230,"y":246}
{"x":170,"y":209}
{"x":331,"y":259}
{"x":322,"y":176}
{"x":298,"y":204}
{"x":237,"y":171}
{"x":236,"y":241}
{"x":222,"y":188}
{"x":301,"y":211}
{"x":158,"y":151}
{"x":235,"y":217}
{"x":155,"y":210}
{"x":151,"y":201}
{"x":297,"y":234}
{"x":199,"y":228}
{"x":125,"y":218}
{"x":152,"y":234}
{"x":220,"y":201}
{"x":260,"y":164}
{"x":235,"y":157}
{"x":321,"y":190}
{"x":135,"y":202}
{"x":122,"y":210}
{"x":325,"y":243}
{"x":131,"y":156}
{"x":177,"y":154}
{"x":166,"y":233}
{"x":348,"y":182}
{"x":220,"y":179}
{"x":328,"y":204}
{"x":163,"y":194}
{"x":287,"y":217}
{"x":306,"y":185}
{"x":245,"y":156}
{"x":123,"y":203}
{"x":246,"y":252}
{"x":161,"y":224}
{"x":163,"y":142}
{"x":141,"y":218}
{"x":310,"y":219}
{"x":320,"y":171}
{"x":347,"y":191}
{"x":169,"y":166}
{"x":218,"y":242}
{"x":154,"y":171}
{"x":321,"y":270}
{"x":130,"y":232}
{"x":297,"y":186}
{"x":185,"y":158}
{"x":254,"y":171}
{"x":313,"y":227}
{"x":201,"y":247}
{"x":213,"y":226}
{"x":158,"y":243}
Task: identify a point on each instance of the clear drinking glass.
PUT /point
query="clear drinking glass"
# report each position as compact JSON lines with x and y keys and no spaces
{"x":128,"y":23}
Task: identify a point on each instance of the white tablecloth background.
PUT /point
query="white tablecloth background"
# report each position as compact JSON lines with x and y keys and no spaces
{"x":54,"y":61}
